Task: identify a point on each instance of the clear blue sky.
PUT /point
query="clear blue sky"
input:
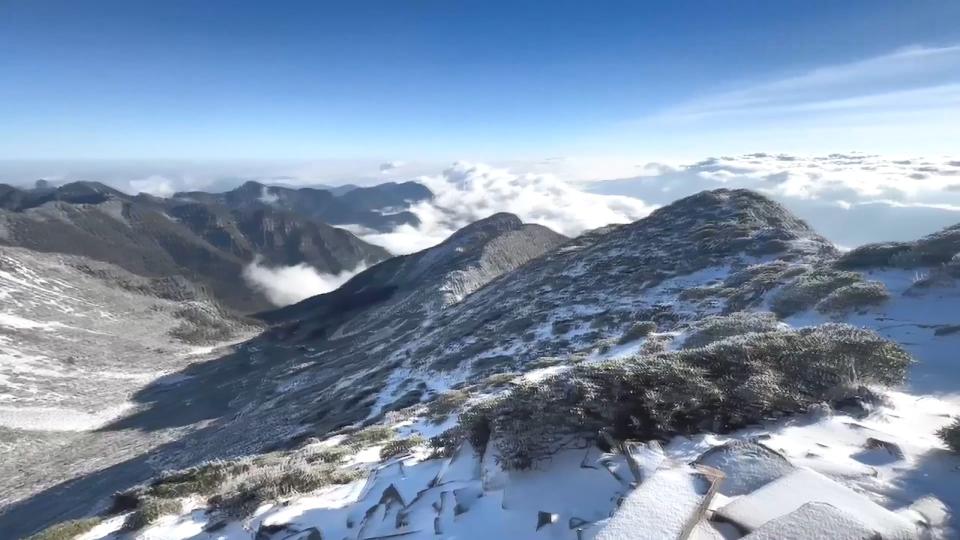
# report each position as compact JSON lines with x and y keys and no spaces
{"x":213,"y":79}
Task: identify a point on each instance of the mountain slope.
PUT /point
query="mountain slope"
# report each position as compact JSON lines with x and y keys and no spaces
{"x":206,"y":243}
{"x":523,"y":382}
{"x":78,"y":338}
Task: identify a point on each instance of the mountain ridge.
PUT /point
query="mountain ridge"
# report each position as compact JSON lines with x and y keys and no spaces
{"x":151,"y":236}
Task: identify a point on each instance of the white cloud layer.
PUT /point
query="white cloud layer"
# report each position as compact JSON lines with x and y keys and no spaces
{"x":465,"y":193}
{"x":850,"y":198}
{"x":285,"y":285}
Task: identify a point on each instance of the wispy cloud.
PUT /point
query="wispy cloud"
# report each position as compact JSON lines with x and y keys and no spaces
{"x":915,"y":77}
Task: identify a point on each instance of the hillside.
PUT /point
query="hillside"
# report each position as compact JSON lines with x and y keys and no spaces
{"x":206,"y":243}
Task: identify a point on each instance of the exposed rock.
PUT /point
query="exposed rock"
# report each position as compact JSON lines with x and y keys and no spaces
{"x":812,"y":521}
{"x":788,"y":493}
{"x":747,"y":466}
{"x":668,"y":505}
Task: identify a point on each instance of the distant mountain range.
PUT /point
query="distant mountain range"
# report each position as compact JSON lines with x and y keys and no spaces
{"x":381,"y":207}
{"x":207,"y":238}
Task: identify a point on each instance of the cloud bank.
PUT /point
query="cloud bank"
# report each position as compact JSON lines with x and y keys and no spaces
{"x":850,"y":198}
{"x":466,"y":192}
{"x":285,"y":285}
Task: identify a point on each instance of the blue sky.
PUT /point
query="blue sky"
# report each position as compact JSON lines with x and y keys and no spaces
{"x":495,"y":81}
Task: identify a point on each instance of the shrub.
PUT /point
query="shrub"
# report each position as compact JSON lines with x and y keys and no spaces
{"x":329,"y":454}
{"x":273,"y":479}
{"x":718,"y":327}
{"x":68,"y":530}
{"x":951,"y":435}
{"x":655,"y":344}
{"x":805,"y":290}
{"x":445,"y":444}
{"x":853,"y":297}
{"x":872,"y":255}
{"x":233,"y":487}
{"x":544,"y":362}
{"x":401,"y":446}
{"x":202,"y":479}
{"x":150,"y":510}
{"x":637,"y":331}
{"x":368,"y":436}
{"x":440,"y":408}
{"x":500,"y":379}
{"x":723,"y":386}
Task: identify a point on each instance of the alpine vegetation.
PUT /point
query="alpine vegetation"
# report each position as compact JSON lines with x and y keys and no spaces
{"x":718,"y":327}
{"x":809,"y":288}
{"x":719,"y":387}
{"x":950,"y":435}
{"x":233,"y":488}
{"x":854,"y":297}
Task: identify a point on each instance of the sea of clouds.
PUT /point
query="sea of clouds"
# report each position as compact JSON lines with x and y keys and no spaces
{"x":285,"y":285}
{"x":851,"y":198}
{"x":467,"y":192}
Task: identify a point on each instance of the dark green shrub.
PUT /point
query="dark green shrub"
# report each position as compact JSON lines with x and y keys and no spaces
{"x":150,"y":510}
{"x":950,"y":435}
{"x":368,"y":436}
{"x":872,"y":255}
{"x":718,"y":327}
{"x":445,"y":404}
{"x":329,"y":454}
{"x":806,"y":290}
{"x":637,"y":331}
{"x":401,"y":446}
{"x":723,"y":386}
{"x":854,"y":297}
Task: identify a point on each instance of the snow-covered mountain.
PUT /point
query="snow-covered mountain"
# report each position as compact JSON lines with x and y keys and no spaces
{"x":715,"y":370}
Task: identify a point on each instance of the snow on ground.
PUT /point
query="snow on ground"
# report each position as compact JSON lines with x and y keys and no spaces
{"x":55,"y":419}
{"x":886,"y":470}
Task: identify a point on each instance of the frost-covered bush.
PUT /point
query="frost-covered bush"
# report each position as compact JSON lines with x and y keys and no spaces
{"x":445,"y":404}
{"x":950,"y":435}
{"x":329,"y":454}
{"x":68,"y":530}
{"x":637,"y":331}
{"x":717,"y":327}
{"x":401,"y":446}
{"x":747,"y":287}
{"x":805,"y":290}
{"x":272,"y":479}
{"x":872,"y":255}
{"x":150,"y":510}
{"x":368,"y":436}
{"x":234,"y":488}
{"x":720,"y":387}
{"x":853,"y":297}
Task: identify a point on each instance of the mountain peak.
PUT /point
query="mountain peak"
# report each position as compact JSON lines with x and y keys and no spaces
{"x":491,"y":225}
